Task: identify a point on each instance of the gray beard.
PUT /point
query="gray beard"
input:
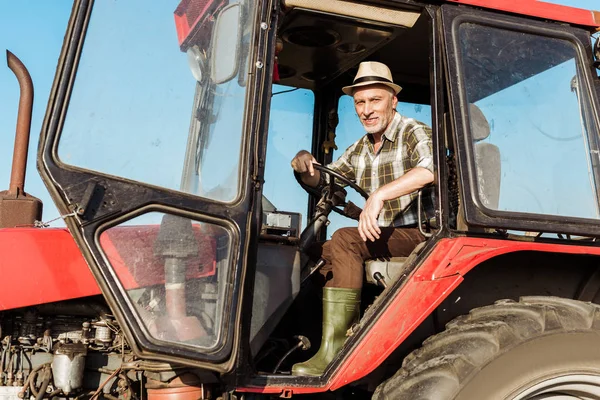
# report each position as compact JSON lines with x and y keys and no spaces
{"x":374,"y":129}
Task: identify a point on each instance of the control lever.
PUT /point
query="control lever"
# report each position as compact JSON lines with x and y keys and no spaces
{"x":332,"y":196}
{"x":303,"y":343}
{"x":314,"y":268}
{"x":311,"y":231}
{"x":380,"y":279}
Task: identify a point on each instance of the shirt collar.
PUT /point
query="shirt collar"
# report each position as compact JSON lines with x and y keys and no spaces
{"x":392,"y":129}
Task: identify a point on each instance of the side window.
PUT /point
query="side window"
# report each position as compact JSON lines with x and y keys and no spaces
{"x":537,"y":154}
{"x":349,"y":130}
{"x":290,"y":129}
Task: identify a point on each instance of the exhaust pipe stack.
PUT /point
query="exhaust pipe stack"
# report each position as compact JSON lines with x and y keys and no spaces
{"x":17,"y":208}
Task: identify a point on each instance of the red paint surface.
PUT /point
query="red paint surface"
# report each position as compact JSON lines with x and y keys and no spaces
{"x":41,"y":266}
{"x":434,"y":280}
{"x":538,"y":9}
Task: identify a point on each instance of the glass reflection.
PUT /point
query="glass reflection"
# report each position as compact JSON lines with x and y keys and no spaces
{"x":148,"y":103}
{"x":173,"y":269}
{"x":530,"y":123}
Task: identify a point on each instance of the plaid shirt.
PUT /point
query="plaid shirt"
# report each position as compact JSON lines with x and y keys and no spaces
{"x":406,"y":144}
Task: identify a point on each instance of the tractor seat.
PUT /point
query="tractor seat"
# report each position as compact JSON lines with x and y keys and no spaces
{"x":392,"y":269}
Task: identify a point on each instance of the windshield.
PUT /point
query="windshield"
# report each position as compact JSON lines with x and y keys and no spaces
{"x":160,"y":103}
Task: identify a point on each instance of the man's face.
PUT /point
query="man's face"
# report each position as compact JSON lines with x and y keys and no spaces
{"x":375,"y":105}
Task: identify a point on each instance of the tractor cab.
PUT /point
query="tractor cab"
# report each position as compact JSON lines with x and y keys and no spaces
{"x":169,"y":136}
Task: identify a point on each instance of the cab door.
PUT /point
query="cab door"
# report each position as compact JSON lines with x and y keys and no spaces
{"x":525,"y":119}
{"x":149,"y":148}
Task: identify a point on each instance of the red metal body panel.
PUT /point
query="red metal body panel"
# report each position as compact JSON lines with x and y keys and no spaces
{"x":41,"y":266}
{"x":540,"y":9}
{"x":434,"y":280}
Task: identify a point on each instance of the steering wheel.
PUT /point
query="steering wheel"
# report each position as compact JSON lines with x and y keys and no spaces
{"x":342,"y":208}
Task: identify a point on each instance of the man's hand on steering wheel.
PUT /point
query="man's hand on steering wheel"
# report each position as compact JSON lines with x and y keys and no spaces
{"x":302,"y":164}
{"x":331,"y":188}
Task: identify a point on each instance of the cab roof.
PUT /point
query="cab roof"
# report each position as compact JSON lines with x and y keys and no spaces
{"x":540,"y":9}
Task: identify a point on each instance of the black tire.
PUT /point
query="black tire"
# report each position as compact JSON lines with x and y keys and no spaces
{"x":499,"y":351}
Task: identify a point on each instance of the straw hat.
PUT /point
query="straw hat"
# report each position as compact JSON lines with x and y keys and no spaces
{"x":370,"y":73}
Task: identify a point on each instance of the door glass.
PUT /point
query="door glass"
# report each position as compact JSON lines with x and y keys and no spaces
{"x":174,"y":271}
{"x":531,"y":137}
{"x":290,"y":129}
{"x":145,"y":108}
{"x":348,"y":131}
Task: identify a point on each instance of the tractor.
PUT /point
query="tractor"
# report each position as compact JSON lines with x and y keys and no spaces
{"x":183,"y":273}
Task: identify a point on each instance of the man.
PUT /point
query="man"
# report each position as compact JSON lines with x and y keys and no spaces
{"x":391,"y":163}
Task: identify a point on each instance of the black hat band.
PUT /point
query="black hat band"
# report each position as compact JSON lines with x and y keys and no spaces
{"x":371,"y":79}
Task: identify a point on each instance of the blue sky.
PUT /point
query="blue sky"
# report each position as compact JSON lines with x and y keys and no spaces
{"x":130,"y":108}
{"x":33,"y":30}
{"x":587,"y":4}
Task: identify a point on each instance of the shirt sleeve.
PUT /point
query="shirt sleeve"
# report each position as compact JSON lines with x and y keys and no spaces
{"x":420,"y":147}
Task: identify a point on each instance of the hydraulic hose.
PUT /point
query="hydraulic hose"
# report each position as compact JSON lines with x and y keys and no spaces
{"x":45,"y":382}
{"x":30,"y":382}
{"x":303,"y":343}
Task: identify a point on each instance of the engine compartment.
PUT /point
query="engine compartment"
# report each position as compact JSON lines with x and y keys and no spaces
{"x":76,"y":349}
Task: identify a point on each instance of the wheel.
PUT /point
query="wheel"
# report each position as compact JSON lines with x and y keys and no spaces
{"x":539,"y":348}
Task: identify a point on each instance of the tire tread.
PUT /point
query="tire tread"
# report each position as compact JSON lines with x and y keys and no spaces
{"x":447,"y":360}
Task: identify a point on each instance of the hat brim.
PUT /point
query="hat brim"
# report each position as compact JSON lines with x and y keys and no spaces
{"x":349,"y":89}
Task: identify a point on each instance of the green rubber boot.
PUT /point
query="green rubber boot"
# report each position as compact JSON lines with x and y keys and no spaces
{"x":341,"y":309}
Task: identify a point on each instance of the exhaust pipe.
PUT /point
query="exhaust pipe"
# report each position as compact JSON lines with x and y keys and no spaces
{"x":17,"y":208}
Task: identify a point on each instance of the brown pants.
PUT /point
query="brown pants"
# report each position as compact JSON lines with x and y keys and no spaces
{"x":346,"y":252}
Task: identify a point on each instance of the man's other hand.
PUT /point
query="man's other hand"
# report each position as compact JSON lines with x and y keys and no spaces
{"x":368,"y":228}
